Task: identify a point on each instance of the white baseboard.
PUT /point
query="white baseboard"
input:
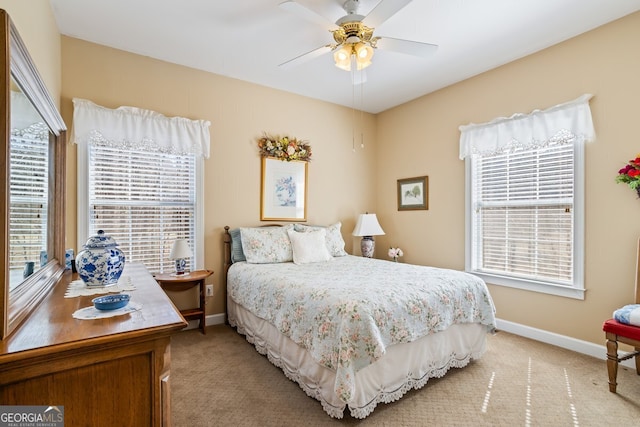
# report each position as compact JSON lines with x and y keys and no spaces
{"x":215,"y":319}
{"x":212,"y":319}
{"x":563,"y":341}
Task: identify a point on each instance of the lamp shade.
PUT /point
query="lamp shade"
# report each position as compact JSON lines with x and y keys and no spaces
{"x":367,"y":225}
{"x":342,"y":57}
{"x":364,"y":53}
{"x":180,"y":250}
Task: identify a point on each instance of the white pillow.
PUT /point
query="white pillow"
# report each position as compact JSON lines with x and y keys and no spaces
{"x":264,"y":245}
{"x":333,"y":240}
{"x":309,"y":247}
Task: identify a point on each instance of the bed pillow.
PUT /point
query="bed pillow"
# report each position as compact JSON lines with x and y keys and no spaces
{"x":237,"y":254}
{"x":333,"y":239}
{"x":309,"y":247}
{"x":265,"y":245}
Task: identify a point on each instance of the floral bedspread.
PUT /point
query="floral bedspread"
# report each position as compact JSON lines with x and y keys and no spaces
{"x":347,"y":311}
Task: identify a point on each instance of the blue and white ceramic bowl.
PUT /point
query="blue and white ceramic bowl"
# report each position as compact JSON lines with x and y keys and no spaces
{"x":101,"y":262}
{"x":111,"y":302}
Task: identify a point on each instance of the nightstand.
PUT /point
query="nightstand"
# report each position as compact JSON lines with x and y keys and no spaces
{"x":183,"y":282}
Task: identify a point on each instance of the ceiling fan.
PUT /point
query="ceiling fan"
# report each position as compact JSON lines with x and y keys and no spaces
{"x":354,"y":42}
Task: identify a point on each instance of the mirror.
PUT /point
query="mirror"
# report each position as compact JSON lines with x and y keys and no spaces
{"x":33,"y":167}
{"x":29,"y":188}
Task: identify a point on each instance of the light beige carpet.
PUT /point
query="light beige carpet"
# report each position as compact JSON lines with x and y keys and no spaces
{"x":219,"y":379}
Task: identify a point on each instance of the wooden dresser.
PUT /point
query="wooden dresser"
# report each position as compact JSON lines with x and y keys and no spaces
{"x":105,"y":372}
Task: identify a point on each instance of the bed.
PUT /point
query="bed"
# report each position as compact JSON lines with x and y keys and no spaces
{"x":351,"y":331}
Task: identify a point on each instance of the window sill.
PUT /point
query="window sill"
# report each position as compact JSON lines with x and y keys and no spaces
{"x":532,"y":285}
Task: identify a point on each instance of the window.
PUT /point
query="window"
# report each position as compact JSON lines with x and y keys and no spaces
{"x":140,"y":181}
{"x":525,"y":214}
{"x":144,"y":200}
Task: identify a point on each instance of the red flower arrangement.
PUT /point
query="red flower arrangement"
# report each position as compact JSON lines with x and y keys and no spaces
{"x":630,"y":174}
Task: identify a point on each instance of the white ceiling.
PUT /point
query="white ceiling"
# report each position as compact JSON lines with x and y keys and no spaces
{"x":248,"y":39}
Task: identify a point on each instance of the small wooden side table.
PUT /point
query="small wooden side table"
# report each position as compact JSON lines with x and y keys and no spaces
{"x":183,"y":282}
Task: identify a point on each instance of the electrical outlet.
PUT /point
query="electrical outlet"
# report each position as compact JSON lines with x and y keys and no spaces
{"x":209,"y":290}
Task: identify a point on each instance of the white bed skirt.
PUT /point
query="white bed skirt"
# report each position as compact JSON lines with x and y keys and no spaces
{"x":402,"y":368}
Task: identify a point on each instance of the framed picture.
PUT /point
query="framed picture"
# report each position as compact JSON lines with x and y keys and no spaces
{"x":283,"y":195}
{"x":413,"y":193}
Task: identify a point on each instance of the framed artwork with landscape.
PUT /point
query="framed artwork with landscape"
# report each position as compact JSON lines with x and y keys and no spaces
{"x":413,"y":193}
{"x":283,"y":194}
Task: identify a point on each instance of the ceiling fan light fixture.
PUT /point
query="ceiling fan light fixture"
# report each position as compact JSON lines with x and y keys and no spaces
{"x":343,"y":53}
{"x":360,"y":52}
{"x":342,"y":57}
{"x":364,"y":52}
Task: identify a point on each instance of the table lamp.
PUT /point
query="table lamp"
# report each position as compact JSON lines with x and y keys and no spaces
{"x":367,"y":227}
{"x":180,"y":251}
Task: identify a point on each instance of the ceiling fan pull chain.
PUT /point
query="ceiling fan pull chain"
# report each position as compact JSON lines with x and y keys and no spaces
{"x":361,"y":114}
{"x":353,"y":113}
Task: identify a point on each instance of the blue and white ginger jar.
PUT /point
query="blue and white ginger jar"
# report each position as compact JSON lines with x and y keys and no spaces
{"x":100,"y":263}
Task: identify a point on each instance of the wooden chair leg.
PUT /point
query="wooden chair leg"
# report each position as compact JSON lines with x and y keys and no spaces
{"x":637,"y":358}
{"x":612,"y":364}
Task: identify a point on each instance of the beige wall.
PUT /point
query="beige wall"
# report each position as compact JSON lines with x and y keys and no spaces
{"x":421,"y":138}
{"x":39,"y":31}
{"x":340,"y":181}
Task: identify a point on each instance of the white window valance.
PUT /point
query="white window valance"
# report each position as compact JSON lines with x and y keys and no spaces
{"x":136,"y":128}
{"x":566,"y":122}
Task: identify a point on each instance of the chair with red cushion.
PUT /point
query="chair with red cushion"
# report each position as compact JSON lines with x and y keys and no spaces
{"x":616,"y":332}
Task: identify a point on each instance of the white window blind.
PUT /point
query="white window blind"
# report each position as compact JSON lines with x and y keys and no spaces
{"x":144,"y":200}
{"x":29,"y":202}
{"x":523,"y":205}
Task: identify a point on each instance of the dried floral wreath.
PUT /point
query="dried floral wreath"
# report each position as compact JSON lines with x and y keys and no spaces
{"x":284,"y":148}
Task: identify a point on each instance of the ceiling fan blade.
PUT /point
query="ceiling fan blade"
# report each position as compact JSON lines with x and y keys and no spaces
{"x":305,"y":13}
{"x":409,"y":47}
{"x":383,"y":11}
{"x":305,"y":57}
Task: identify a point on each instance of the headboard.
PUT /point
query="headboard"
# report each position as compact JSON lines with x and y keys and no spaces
{"x":226,"y":253}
